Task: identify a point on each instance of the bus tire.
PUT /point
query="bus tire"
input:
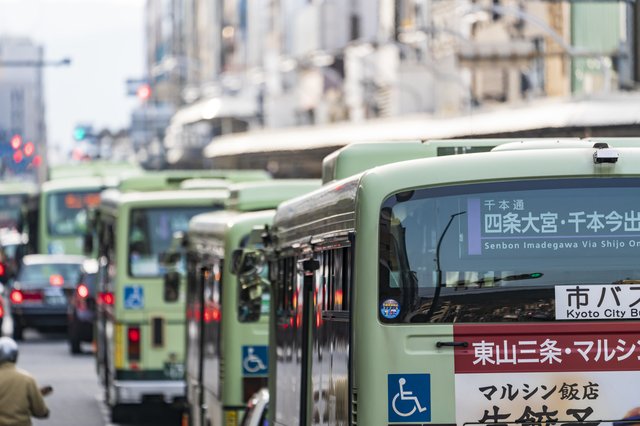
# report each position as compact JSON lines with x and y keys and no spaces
{"x":119,"y":413}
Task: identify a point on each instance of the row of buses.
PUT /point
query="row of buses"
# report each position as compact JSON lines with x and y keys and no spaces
{"x":410,"y":286}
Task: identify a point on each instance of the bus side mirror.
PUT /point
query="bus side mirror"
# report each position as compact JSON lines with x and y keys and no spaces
{"x":171,"y":286}
{"x":250,"y":298}
{"x":236,"y":258}
{"x":252,"y":263}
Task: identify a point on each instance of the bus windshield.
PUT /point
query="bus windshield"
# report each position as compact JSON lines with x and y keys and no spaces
{"x":150,"y":234}
{"x":11,"y":211}
{"x":67,"y":212}
{"x":501,"y":251}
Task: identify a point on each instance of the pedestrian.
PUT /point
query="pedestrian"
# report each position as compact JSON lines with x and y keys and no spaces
{"x":20,"y":398}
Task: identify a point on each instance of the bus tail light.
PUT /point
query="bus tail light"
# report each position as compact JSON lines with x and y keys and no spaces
{"x":1,"y":309}
{"x":83,"y":291}
{"x":133,"y":343}
{"x":105,"y":298}
{"x":16,"y":297}
{"x":3,"y":269}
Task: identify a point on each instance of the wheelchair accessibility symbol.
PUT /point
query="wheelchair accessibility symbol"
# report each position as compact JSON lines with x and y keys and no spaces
{"x":409,"y":397}
{"x":133,"y":297}
{"x":255,"y":361}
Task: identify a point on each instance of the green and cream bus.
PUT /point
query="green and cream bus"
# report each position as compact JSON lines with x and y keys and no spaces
{"x":140,"y":330}
{"x":65,"y":199}
{"x":493,"y":287}
{"x":227,"y":351}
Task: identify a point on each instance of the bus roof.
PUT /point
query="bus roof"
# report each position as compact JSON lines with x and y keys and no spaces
{"x":263,"y":195}
{"x":75,"y":184}
{"x":94,"y":168}
{"x":114,"y":197}
{"x":332,"y":208}
{"x":360,"y":156}
{"x":9,"y":188}
{"x":204,"y":183}
{"x":172,"y":179}
{"x":218,"y":224}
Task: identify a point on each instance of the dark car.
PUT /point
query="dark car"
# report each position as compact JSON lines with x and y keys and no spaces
{"x":40,"y":291}
{"x":81,"y":312}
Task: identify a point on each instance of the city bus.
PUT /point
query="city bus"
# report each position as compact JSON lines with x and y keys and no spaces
{"x":140,"y":327}
{"x":227,"y":353}
{"x":62,"y":212}
{"x":490,"y":287}
{"x":72,"y":190}
{"x":14,"y":197}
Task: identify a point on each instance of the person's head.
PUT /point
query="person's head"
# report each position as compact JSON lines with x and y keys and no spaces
{"x":8,"y":350}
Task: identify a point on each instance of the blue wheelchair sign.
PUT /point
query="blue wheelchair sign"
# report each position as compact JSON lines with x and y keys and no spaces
{"x":255,"y":361}
{"x":409,"y":397}
{"x":133,"y":297}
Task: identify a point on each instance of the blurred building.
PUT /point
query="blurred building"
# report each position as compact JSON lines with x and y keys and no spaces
{"x":22,"y":110}
{"x":235,"y":65}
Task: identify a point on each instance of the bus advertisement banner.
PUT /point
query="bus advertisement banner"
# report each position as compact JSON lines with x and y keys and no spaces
{"x":542,"y":374}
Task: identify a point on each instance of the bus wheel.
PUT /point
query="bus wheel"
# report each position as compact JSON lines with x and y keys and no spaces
{"x":119,"y":413}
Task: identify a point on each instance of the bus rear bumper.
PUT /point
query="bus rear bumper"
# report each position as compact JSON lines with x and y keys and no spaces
{"x":137,"y":392}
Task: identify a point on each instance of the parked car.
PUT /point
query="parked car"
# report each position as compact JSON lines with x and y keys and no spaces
{"x":257,"y":406}
{"x":39,"y":294}
{"x":81,"y":312}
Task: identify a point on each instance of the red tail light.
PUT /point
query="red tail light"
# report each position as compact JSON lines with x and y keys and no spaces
{"x":133,"y":347}
{"x":105,"y":298}
{"x":83,"y":291}
{"x":1,"y":310}
{"x":16,"y":297}
{"x":3,"y":269}
{"x":56,"y":279}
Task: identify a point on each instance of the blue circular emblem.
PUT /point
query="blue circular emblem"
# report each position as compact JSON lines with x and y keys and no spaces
{"x":390,"y":309}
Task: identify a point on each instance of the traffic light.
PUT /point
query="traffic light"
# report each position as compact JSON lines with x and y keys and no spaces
{"x":79,"y":133}
{"x":144,"y":92}
{"x":29,"y":149}
{"x":16,"y":141}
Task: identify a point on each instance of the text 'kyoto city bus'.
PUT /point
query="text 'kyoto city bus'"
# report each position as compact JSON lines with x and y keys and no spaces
{"x":227,"y":352}
{"x":483,"y":288}
{"x":140,"y":326}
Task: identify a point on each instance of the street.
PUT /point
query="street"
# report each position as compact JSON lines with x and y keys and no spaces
{"x":77,"y":395}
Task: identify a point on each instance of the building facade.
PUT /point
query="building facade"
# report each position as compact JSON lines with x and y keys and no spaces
{"x":235,"y":65}
{"x":22,"y":109}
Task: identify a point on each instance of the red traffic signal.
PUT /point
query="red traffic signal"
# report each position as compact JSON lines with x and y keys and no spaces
{"x":144,"y":92}
{"x":18,"y":157}
{"x":29,"y":149}
{"x":16,"y":141}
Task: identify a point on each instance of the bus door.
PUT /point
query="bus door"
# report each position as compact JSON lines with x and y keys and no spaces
{"x":330,"y":337}
{"x":292,"y":338}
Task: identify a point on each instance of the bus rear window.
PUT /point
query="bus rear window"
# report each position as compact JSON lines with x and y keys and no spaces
{"x":67,"y":212}
{"x":150,"y":234}
{"x":506,"y":251}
